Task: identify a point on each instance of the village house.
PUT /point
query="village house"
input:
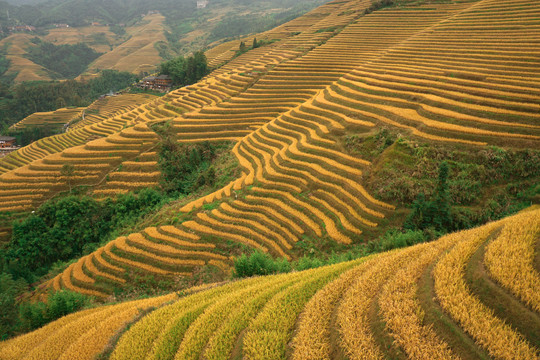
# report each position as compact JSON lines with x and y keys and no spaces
{"x":160,"y":83}
{"x":22,"y":28}
{"x":147,"y":82}
{"x":61,"y":25}
{"x":201,"y":4}
{"x":163,"y":82}
{"x":7,"y":145}
{"x":7,"y":142}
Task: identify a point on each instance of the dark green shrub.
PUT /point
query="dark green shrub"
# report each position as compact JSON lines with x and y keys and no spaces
{"x":62,"y":229}
{"x":259,"y":263}
{"x":60,"y":303}
{"x":9,"y":290}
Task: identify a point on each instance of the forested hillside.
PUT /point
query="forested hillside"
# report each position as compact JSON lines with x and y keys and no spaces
{"x":132,"y":35}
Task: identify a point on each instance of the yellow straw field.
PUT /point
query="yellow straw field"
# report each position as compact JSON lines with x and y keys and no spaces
{"x":373,"y":307}
{"x":440,"y":73}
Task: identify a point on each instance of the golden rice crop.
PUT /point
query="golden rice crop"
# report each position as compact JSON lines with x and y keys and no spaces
{"x":269,"y":162}
{"x":262,"y":240}
{"x":153,"y":232}
{"x":21,"y":346}
{"x":293,"y":148}
{"x":132,"y":263}
{"x":351,"y":210}
{"x":122,"y":244}
{"x":269,"y":210}
{"x":183,"y":234}
{"x":211,"y":231}
{"x":498,"y":338}
{"x":270,"y":331}
{"x":310,"y":223}
{"x":352,"y":315}
{"x":402,"y":312}
{"x":221,"y":343}
{"x":162,"y":331}
{"x":246,"y":164}
{"x":139,"y":239}
{"x":414,"y":130}
{"x":218,"y":314}
{"x":68,"y":284}
{"x":98,"y":255}
{"x":251,"y":223}
{"x":262,"y":218}
{"x":510,"y":257}
{"x":336,"y":180}
{"x":342,"y":218}
{"x":89,"y":264}
{"x":312,"y":340}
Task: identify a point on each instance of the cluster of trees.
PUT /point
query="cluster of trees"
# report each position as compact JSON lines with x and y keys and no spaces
{"x":435,"y":213}
{"x":16,"y":317}
{"x":185,"y":168}
{"x":243,"y":48}
{"x":68,"y":61}
{"x":117,"y":29}
{"x":58,"y":232}
{"x":66,"y":228}
{"x":379,"y":5}
{"x":185,"y":71}
{"x":445,"y":213}
{"x":20,"y":100}
{"x":4,"y":63}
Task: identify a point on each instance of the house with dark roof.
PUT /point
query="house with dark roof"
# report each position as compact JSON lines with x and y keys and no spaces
{"x":7,"y":141}
{"x":163,"y":82}
{"x":160,"y":83}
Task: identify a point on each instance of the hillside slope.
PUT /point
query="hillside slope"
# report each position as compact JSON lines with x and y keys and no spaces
{"x":139,"y":53}
{"x":26,"y":70}
{"x":135,"y":35}
{"x":287,"y":107}
{"x":49,"y":119}
{"x":470,"y":295}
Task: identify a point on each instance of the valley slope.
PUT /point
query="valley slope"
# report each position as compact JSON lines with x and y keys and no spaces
{"x":463,"y":74}
{"x":287,"y":106}
{"x":469,"y":295}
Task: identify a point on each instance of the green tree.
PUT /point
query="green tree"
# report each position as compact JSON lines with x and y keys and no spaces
{"x":60,"y":102}
{"x":68,"y":171}
{"x":186,"y":71}
{"x":441,"y":201}
{"x":9,"y":290}
{"x":435,"y":213}
{"x":242,"y":48}
{"x":60,"y":303}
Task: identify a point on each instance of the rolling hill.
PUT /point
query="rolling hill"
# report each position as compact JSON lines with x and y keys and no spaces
{"x":286,"y":106}
{"x":50,"y":119}
{"x":460,"y":74}
{"x":133,"y":35}
{"x":469,"y":295}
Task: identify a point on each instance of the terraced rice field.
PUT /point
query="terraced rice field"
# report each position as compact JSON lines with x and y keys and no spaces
{"x":287,"y":106}
{"x":470,"y":294}
{"x":87,"y":35}
{"x":109,"y":107}
{"x":138,"y":54}
{"x":107,"y":112}
{"x":50,"y":119}
{"x":15,"y":47}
